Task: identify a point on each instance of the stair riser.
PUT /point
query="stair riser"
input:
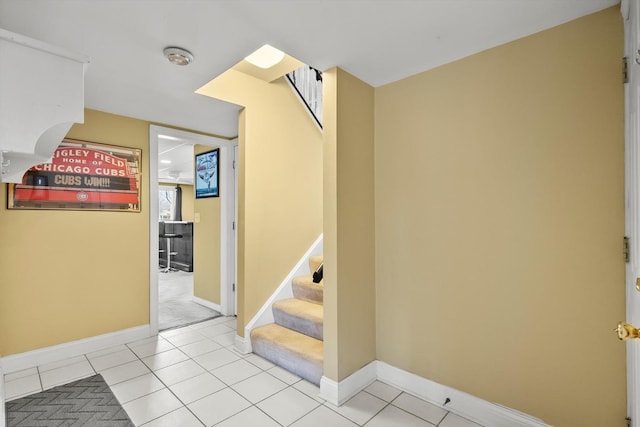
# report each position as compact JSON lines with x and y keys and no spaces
{"x":314,"y":263}
{"x":308,"y":293}
{"x":298,"y":324}
{"x":301,"y":367}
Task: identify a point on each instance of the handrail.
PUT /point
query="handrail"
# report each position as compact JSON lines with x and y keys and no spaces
{"x":307,"y":82}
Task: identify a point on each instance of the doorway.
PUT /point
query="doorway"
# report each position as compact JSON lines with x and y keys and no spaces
{"x":228,"y":209}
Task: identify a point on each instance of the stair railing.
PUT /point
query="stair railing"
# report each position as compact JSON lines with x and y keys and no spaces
{"x":307,"y":82}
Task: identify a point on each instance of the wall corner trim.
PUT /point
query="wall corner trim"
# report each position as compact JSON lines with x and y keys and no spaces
{"x":41,"y":356}
{"x":337,"y":393}
{"x":242,"y":345}
{"x":463,"y":404}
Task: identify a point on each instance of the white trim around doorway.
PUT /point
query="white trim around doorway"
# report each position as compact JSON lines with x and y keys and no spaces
{"x":227,"y":256}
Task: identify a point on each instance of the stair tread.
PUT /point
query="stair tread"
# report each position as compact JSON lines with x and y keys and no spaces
{"x":304,"y":288}
{"x":302,"y":345}
{"x":301,"y":308}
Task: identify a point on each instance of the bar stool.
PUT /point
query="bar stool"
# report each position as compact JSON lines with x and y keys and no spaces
{"x":169,"y":236}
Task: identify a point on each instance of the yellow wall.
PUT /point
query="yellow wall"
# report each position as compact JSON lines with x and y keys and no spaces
{"x":68,"y":275}
{"x":349,"y":281}
{"x":206,"y":245}
{"x":188,"y":200}
{"x":280,"y":184}
{"x":499,"y":222}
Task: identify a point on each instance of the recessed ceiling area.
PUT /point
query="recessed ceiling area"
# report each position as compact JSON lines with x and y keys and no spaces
{"x":175,"y":160}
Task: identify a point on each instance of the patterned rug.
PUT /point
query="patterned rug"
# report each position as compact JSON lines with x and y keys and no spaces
{"x":88,"y":402}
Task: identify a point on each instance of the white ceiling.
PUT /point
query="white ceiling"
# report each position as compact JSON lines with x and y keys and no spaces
{"x":379,"y":41}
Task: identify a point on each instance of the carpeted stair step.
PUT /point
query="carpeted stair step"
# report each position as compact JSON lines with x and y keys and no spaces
{"x":295,"y":352}
{"x":301,"y":316}
{"x":315,"y":262}
{"x":304,"y":288}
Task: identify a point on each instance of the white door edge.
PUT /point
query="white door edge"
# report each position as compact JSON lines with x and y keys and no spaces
{"x":630,"y":12}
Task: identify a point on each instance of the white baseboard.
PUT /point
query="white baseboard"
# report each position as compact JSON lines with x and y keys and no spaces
{"x":264,"y":316}
{"x":208,"y":304}
{"x":338,"y":393}
{"x":463,"y":404}
{"x":242,"y":345}
{"x":2,"y":414}
{"x":41,"y":356}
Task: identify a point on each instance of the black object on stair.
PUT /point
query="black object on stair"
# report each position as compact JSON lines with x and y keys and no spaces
{"x":317,"y":275}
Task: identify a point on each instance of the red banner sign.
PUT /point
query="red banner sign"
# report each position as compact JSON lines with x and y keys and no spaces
{"x":82,"y":175}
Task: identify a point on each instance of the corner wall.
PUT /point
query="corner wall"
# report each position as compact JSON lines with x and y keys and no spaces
{"x":68,"y":275}
{"x":499,"y":222}
{"x":349,"y":228}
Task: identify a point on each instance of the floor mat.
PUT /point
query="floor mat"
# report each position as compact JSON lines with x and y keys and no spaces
{"x":88,"y":402}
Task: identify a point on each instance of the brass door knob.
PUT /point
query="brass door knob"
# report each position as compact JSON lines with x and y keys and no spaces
{"x":626,"y":331}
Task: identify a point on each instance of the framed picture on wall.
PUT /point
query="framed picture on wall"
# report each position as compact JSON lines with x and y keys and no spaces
{"x":82,"y":175}
{"x":207,"y":174}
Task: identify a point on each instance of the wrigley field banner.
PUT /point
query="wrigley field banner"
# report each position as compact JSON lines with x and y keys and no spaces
{"x":82,"y":176}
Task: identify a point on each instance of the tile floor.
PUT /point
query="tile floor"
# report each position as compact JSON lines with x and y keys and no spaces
{"x":192,"y":376}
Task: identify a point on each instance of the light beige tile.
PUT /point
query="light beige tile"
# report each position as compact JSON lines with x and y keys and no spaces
{"x":216,"y":358}
{"x":321,"y":417}
{"x":214,"y":330}
{"x":164,"y":359}
{"x":20,"y":374}
{"x":311,"y":390}
{"x":420,"y":408}
{"x":179,"y":372}
{"x":259,"y":387}
{"x":151,"y":406}
{"x":392,"y":416}
{"x":197,"y":387}
{"x":225,"y":340}
{"x":187,"y":337}
{"x":98,"y":353}
{"x":66,"y":374}
{"x":200,"y":347}
{"x":288,"y":405}
{"x":136,"y":387}
{"x":61,"y":363}
{"x":149,"y":348}
{"x":251,"y":416}
{"x":236,"y":371}
{"x":453,"y":420}
{"x":261,"y":363}
{"x":120,"y":373}
{"x":180,"y":417}
{"x":383,"y":391}
{"x":109,"y":360}
{"x":360,"y":408}
{"x":22,"y":386}
{"x":218,"y":406}
{"x":284,"y":375}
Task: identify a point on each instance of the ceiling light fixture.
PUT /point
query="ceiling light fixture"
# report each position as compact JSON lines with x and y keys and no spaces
{"x":166,"y":162}
{"x":178,"y":55}
{"x":265,"y":57}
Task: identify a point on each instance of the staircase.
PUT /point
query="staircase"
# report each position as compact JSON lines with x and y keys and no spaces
{"x":294,"y":341}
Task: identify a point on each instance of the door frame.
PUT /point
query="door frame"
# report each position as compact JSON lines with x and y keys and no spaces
{"x":228,"y":205}
{"x":631,"y":18}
